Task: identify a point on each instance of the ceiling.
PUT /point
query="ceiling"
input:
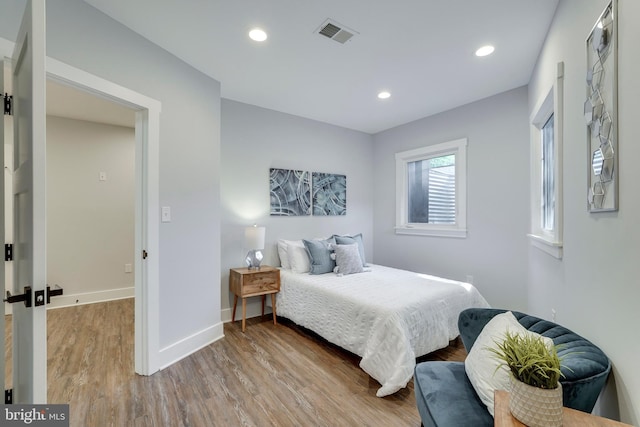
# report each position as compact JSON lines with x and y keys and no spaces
{"x":421,"y":51}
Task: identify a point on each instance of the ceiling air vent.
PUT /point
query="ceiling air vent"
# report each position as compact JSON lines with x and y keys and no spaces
{"x":335,"y":31}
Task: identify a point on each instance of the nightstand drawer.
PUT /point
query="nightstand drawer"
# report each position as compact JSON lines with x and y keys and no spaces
{"x":260,"y":282}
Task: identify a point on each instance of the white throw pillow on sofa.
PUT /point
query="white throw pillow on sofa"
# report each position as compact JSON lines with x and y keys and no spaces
{"x":483,"y":369}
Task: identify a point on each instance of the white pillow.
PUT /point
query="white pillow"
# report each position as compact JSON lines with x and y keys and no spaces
{"x":481,"y":364}
{"x":298,"y":256}
{"x":282,"y":254}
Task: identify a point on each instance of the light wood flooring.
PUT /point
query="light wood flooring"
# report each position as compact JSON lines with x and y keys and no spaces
{"x":268,"y":376}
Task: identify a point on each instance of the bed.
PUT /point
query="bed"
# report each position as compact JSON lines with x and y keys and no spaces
{"x":386,"y":316}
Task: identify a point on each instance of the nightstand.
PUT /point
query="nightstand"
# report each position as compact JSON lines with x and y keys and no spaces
{"x":245,"y":283}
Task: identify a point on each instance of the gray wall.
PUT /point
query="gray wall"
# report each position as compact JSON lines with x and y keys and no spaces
{"x":594,"y":288}
{"x":83,"y":37}
{"x":255,"y":139}
{"x":495,"y":250}
{"x":90,"y":223}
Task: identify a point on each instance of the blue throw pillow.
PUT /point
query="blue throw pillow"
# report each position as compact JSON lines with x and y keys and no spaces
{"x":350,"y":240}
{"x":320,"y":255}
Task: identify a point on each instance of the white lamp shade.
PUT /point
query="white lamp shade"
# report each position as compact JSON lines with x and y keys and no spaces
{"x":254,"y":237}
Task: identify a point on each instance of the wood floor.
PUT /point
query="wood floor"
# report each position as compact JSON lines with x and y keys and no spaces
{"x":268,"y":376}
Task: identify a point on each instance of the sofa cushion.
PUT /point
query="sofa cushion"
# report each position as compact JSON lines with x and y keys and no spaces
{"x":446,"y":398}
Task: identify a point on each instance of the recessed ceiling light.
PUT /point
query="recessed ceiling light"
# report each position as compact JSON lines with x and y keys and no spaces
{"x":258,"y":35}
{"x":485,"y":50}
{"x":384,"y":95}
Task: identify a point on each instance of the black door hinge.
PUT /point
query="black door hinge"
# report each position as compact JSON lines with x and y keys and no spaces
{"x":8,"y":104}
{"x":8,"y":396}
{"x":8,"y":252}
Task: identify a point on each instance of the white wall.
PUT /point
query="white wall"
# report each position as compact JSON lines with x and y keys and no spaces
{"x":255,"y":139}
{"x":495,"y":250}
{"x":594,"y":288}
{"x":189,"y":284}
{"x":90,"y":223}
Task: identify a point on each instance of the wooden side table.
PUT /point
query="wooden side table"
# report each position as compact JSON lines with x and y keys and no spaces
{"x":245,"y":283}
{"x":570,"y":417}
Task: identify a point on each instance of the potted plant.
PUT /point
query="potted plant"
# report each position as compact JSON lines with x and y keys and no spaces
{"x":536,"y":392}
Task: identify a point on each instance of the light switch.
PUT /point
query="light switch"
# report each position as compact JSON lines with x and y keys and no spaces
{"x":166,"y":214}
{"x":103,"y":176}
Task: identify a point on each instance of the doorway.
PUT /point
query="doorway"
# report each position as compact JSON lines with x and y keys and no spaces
{"x":90,"y":197}
{"x":146,"y":241}
{"x":147,"y":221}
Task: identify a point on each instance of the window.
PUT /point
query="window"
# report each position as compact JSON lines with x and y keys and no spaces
{"x":548,"y":188}
{"x":431,"y":190}
{"x":546,"y":167}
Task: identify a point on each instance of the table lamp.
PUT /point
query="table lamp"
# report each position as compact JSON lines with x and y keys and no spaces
{"x":254,"y":240}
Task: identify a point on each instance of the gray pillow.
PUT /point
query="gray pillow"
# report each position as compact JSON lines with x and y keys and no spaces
{"x":348,"y":259}
{"x":349,"y":240}
{"x":320,"y":255}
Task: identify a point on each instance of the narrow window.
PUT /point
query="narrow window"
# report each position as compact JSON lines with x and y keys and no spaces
{"x":548,"y":179}
{"x":546,"y":170}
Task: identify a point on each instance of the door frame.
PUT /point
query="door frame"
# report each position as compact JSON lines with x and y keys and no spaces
{"x":147,"y":204}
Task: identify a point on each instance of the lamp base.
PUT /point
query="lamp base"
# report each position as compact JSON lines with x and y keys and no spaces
{"x":253,"y":259}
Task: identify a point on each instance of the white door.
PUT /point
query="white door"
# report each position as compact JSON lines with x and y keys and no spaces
{"x":29,"y":323}
{"x":2,"y":238}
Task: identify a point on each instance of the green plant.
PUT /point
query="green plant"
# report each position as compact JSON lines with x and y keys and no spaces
{"x":529,"y":359}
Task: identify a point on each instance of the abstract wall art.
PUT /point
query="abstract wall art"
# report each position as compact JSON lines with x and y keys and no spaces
{"x":600,"y":111}
{"x":329,"y":194}
{"x":290,"y":192}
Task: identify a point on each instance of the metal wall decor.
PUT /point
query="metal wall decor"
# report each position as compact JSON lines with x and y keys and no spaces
{"x":601,"y":112}
{"x":290,"y":192}
{"x":329,"y":193}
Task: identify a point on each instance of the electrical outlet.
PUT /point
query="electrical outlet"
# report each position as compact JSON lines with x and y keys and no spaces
{"x":128,"y":268}
{"x":103,"y":176}
{"x":553,"y":314}
{"x":469,"y":279}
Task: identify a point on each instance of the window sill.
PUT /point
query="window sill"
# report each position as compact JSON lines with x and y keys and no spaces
{"x":547,"y":245}
{"x":460,"y":233}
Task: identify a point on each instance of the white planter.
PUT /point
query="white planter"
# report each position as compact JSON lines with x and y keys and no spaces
{"x":536,"y":407}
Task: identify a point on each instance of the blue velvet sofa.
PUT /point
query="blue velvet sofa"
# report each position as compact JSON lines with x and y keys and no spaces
{"x":446,"y":398}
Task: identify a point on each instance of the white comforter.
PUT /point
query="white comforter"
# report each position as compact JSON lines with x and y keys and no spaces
{"x":387,"y":316}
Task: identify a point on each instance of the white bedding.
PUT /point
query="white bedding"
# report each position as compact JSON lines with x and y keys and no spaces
{"x":387,"y":316}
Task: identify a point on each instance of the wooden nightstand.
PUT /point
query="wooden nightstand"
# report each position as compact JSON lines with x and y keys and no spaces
{"x":246,"y":283}
{"x":570,"y":417}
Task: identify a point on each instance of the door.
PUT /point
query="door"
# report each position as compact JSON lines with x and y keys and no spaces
{"x":2,"y":235}
{"x":29,"y":112}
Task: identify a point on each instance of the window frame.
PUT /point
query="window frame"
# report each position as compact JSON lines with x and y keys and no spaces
{"x":548,"y":240}
{"x":456,"y":147}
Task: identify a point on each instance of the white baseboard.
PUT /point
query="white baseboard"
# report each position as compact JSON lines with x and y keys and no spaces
{"x":91,"y":297}
{"x":254,"y":309}
{"x":189,"y":345}
{"x":85,"y":298}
